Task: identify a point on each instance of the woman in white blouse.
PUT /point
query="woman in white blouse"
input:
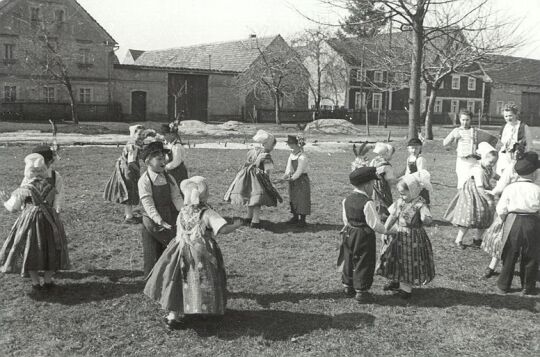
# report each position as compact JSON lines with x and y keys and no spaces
{"x":299,"y":184}
{"x":512,"y":133}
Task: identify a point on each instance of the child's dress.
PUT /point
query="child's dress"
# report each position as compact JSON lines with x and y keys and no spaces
{"x":190,"y":278}
{"x":299,"y":184}
{"x":37,"y":241}
{"x":472,"y":207}
{"x":382,"y":193}
{"x":252,"y":185}
{"x":176,"y":166}
{"x":414,"y":166}
{"x":122,"y":185}
{"x":409,"y":255}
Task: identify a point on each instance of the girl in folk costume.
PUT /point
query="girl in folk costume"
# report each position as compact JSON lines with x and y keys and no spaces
{"x":513,"y":132}
{"x":190,"y":278}
{"x":467,"y":139}
{"x":519,"y":208}
{"x":122,"y":185}
{"x":161,"y":199}
{"x":473,"y":206}
{"x":408,"y":259}
{"x":382,"y":192}
{"x":37,"y":241}
{"x":299,"y":184}
{"x":177,"y":156}
{"x":252,"y":186}
{"x":416,"y":163}
{"x":358,"y":248}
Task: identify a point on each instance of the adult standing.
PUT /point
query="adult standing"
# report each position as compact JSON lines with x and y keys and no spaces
{"x":513,"y":132}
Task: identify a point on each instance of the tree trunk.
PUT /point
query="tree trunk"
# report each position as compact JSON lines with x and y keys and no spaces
{"x":276,"y":108}
{"x":429,"y":114}
{"x":72,"y":104}
{"x":416,"y":72}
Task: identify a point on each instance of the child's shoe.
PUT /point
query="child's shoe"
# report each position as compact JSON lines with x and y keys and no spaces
{"x":349,"y":291}
{"x":489,"y":273}
{"x":392,"y":285}
{"x":364,"y":297}
{"x":174,"y":324}
{"x":403,"y":294}
{"x":293,"y":220}
{"x":477,"y":243}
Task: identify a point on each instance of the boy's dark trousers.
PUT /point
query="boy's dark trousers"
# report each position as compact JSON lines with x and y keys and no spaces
{"x":358,"y":254}
{"x":154,"y":242}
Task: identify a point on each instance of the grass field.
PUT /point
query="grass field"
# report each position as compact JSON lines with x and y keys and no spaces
{"x":285,"y":291}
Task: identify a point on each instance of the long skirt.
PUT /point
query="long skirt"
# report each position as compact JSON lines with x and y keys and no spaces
{"x":408,"y":258}
{"x":495,"y":237}
{"x":382,"y":196}
{"x":300,"y":195}
{"x":189,"y":279}
{"x":252,"y":187}
{"x":37,"y":242}
{"x":179,"y":173}
{"x":471,"y":208}
{"x":122,"y":185}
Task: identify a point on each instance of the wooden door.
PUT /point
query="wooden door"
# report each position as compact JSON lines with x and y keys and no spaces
{"x":530,"y":111}
{"x":138,"y":105}
{"x":188,"y":94}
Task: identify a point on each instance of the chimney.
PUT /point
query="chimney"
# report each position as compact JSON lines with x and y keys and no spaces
{"x":253,"y":41}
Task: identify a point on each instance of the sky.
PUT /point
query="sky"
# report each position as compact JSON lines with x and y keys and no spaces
{"x":159,"y":24}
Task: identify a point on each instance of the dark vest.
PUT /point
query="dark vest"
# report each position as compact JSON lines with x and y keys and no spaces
{"x":354,"y":209}
{"x":521,"y":133}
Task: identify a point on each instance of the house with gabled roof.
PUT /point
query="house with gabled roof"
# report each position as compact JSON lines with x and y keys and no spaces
{"x":73,"y":31}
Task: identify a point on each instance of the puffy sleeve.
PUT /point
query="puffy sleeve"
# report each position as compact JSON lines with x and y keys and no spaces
{"x":16,"y":200}
{"x":372,"y":217}
{"x":502,"y":205}
{"x":288,"y":169}
{"x":60,"y":193}
{"x":178,"y":154}
{"x":213,"y":220}
{"x":421,"y":163}
{"x":147,"y":200}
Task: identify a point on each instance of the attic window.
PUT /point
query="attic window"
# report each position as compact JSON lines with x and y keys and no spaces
{"x":34,"y":14}
{"x":59,"y":16}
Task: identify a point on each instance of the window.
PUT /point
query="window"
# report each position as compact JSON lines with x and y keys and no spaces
{"x":454,"y":106}
{"x":8,"y":52}
{"x":84,"y":54}
{"x":470,"y":106}
{"x":59,"y":16}
{"x":360,"y":75}
{"x":438,"y":106}
{"x":472,"y":83}
{"x":10,"y":93}
{"x":455,"y":82}
{"x":48,"y":94}
{"x":500,"y":106}
{"x":377,"y":101}
{"x":34,"y":14}
{"x":85,"y":95}
{"x":378,"y":77}
{"x":358,"y":100}
{"x":442,"y":85}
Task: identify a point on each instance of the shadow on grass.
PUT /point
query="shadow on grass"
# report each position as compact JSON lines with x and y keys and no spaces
{"x":441,"y":223}
{"x":277,"y":325}
{"x":113,"y":274}
{"x":265,"y":300}
{"x":80,"y":293}
{"x":284,"y":227}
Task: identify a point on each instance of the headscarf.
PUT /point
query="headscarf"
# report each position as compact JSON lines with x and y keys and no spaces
{"x":263,"y":137}
{"x":195,"y":190}
{"x":418,"y":181}
{"x":484,"y":149}
{"x":383,"y":149}
{"x":133,"y":130}
{"x":34,"y":166}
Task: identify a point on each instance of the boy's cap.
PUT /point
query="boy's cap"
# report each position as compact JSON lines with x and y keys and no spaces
{"x":527,"y":163}
{"x":362,"y":175}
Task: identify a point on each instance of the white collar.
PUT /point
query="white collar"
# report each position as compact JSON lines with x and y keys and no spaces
{"x":360,"y":191}
{"x":154,"y":175}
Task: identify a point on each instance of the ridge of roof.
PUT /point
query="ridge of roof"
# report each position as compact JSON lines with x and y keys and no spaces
{"x":97,"y":23}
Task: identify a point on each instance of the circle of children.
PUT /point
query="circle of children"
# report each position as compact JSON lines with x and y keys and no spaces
{"x":183,"y":264}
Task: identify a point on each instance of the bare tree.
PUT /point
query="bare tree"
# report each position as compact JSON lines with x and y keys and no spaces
{"x":278,"y":72}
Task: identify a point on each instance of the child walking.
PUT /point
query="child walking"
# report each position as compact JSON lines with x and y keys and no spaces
{"x":519,"y":208}
{"x":122,"y":185}
{"x":473,"y":206}
{"x":416,"y":162}
{"x":358,"y":248}
{"x":37,"y":241}
{"x":299,"y":184}
{"x":252,"y":186}
{"x":189,"y":279}
{"x":161,"y":199}
{"x":408,"y":259}
{"x":177,"y":153}
{"x":382,"y":192}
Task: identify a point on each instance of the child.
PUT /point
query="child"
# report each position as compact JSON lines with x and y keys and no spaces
{"x":358,"y":248}
{"x":408,"y":259}
{"x":190,"y":278}
{"x":473,"y":206}
{"x":519,"y":207}
{"x":252,"y":186}
{"x":415,"y":163}
{"x":299,"y":185}
{"x":122,"y":185}
{"x":161,"y":200}
{"x":175,"y":166}
{"x":37,"y":241}
{"x":382,"y":193}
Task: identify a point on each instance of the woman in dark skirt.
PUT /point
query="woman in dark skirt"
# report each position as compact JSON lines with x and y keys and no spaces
{"x":299,"y":184}
{"x":176,"y":166}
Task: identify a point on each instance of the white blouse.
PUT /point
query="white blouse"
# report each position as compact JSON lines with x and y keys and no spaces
{"x":302,"y":165}
{"x":178,"y":155}
{"x":510,"y":135}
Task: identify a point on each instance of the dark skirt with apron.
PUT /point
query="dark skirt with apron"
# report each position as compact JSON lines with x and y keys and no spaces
{"x":300,"y":193}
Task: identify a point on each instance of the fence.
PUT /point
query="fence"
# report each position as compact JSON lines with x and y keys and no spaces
{"x":41,"y":111}
{"x":265,"y":115}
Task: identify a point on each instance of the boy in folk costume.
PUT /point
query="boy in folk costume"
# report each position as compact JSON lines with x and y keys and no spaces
{"x":299,"y":184}
{"x":161,"y":200}
{"x":37,"y":241}
{"x":177,"y":153}
{"x":189,"y":278}
{"x":252,"y":186}
{"x":474,"y":206}
{"x":408,"y":259}
{"x":519,"y":207}
{"x":358,"y":248}
{"x":512,"y":133}
{"x":122,"y":185}
{"x":382,"y":192}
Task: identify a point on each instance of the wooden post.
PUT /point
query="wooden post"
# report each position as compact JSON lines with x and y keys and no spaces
{"x":379,"y":118}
